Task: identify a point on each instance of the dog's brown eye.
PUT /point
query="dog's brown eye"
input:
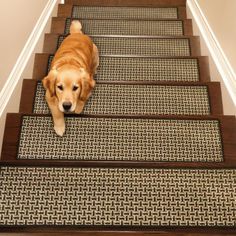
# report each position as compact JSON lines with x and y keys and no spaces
{"x":75,"y":88}
{"x":60,"y":87}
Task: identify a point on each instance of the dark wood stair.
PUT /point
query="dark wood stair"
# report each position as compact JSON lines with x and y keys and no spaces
{"x":213,"y":93}
{"x":59,"y":24}
{"x":184,"y":159}
{"x":65,"y":10}
{"x":41,"y":63}
{"x":191,"y":47}
{"x":226,"y":138}
{"x":143,"y":3}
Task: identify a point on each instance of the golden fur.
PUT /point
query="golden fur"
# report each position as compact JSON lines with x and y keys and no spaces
{"x":70,"y":80}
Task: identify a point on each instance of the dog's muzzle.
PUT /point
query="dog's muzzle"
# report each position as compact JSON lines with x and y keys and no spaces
{"x":67,"y":106}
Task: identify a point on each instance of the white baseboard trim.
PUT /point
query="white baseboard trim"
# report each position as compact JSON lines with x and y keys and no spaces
{"x":25,"y":54}
{"x":225,"y":69}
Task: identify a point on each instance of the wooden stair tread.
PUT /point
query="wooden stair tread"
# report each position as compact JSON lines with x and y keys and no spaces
{"x":156,"y":97}
{"x":117,"y":45}
{"x":141,"y":3}
{"x":220,"y":126}
{"x":97,"y":199}
{"x":66,"y":10}
{"x":202,"y":69}
{"x":61,"y":25}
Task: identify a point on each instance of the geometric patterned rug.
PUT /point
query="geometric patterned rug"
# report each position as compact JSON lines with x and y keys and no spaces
{"x":95,"y":12}
{"x":146,"y":69}
{"x":129,"y":27}
{"x":121,"y":139}
{"x":123,"y":99}
{"x":140,"y":46}
{"x":117,"y":197}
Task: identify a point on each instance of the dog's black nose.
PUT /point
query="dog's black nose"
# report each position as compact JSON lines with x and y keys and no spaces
{"x":67,"y":105}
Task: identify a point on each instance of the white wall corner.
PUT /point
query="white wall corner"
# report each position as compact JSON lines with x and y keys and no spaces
{"x":25,"y":54}
{"x":221,"y":62}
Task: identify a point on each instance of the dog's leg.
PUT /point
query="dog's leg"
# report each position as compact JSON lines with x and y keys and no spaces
{"x":79,"y":107}
{"x":95,"y":59}
{"x":57,"y":115}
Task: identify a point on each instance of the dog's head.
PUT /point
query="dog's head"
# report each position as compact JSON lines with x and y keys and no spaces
{"x":68,"y":85}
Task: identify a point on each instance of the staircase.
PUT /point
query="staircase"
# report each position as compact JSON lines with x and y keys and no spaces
{"x":152,"y":153}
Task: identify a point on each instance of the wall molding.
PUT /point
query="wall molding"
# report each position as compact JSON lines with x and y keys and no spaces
{"x":223,"y":66}
{"x":25,"y":54}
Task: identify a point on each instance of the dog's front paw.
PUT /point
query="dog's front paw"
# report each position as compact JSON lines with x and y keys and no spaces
{"x":60,"y":130}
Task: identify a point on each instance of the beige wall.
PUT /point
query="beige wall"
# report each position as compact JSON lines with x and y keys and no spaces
{"x":18,"y":18}
{"x":21,"y":16}
{"x":220,"y":14}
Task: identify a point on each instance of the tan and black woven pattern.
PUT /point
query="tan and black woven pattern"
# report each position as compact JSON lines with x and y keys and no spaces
{"x":139,"y":100}
{"x":50,"y":58}
{"x":141,"y":46}
{"x":83,"y":12}
{"x":117,"y":197}
{"x":147,"y":69}
{"x":117,"y":139}
{"x":129,"y":27}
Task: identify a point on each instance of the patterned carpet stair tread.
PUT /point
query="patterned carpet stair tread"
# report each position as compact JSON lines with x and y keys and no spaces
{"x":121,"y":139}
{"x":123,"y":99}
{"x":117,"y":197}
{"x":129,"y":27}
{"x":96,"y":12}
{"x":147,"y":69}
{"x":140,"y":46}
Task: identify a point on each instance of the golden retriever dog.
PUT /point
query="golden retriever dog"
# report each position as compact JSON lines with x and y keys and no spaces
{"x":70,"y":80}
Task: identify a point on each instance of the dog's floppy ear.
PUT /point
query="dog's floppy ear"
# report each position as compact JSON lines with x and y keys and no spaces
{"x":49,"y":82}
{"x":87,"y":85}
